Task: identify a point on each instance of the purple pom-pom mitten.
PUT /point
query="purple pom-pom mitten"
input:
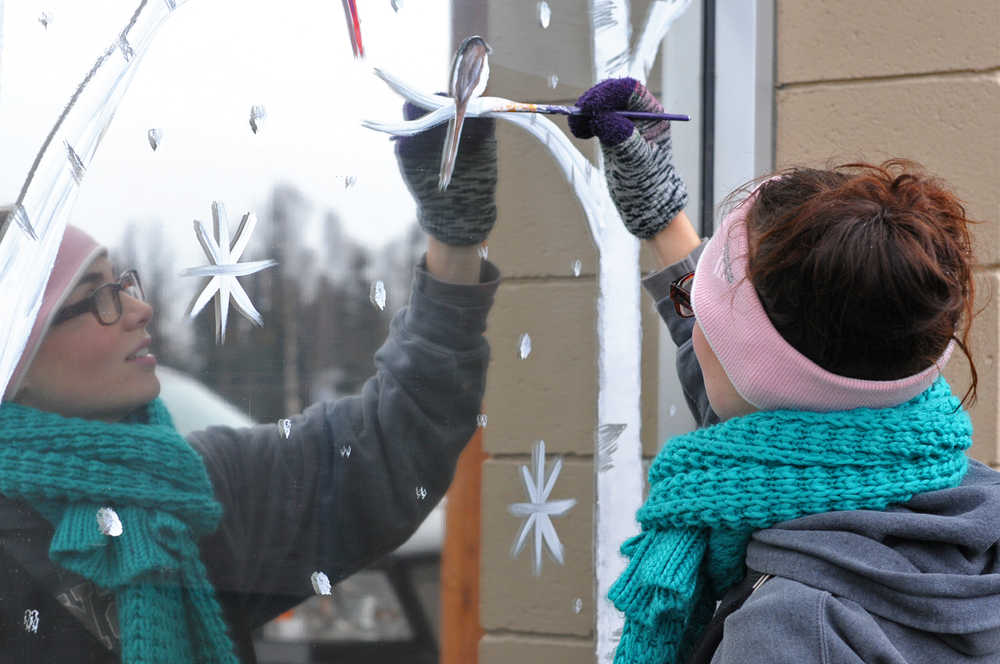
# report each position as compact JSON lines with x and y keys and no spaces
{"x":639,"y":162}
{"x":611,"y":129}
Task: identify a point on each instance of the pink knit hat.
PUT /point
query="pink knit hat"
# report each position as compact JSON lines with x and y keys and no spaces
{"x":764,"y":368}
{"x":76,"y":253}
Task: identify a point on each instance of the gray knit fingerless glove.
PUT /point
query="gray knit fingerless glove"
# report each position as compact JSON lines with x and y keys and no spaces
{"x":464,"y":213}
{"x":643,"y":183}
{"x":639,"y":167}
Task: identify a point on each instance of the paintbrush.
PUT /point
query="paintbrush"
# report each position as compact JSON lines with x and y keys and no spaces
{"x":557,"y":109}
{"x":354,"y":27}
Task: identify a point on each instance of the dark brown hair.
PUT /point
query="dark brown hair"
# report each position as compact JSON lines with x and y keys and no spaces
{"x":866,"y":270}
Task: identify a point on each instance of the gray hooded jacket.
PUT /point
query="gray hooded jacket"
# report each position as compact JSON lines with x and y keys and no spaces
{"x":918,"y":583}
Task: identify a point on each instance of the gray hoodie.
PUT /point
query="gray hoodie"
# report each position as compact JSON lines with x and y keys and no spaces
{"x":917,"y":583}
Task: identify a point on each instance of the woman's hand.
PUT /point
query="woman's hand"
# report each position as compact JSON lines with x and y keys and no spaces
{"x":459,"y":218}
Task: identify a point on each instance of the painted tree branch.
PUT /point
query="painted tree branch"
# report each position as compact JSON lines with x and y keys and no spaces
{"x":619,"y":470}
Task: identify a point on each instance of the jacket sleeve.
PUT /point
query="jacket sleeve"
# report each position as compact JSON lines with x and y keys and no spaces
{"x":356,"y":476}
{"x":688,"y":370}
{"x":787,"y":622}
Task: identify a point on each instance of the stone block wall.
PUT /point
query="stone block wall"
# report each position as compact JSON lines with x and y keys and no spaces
{"x":873,"y":80}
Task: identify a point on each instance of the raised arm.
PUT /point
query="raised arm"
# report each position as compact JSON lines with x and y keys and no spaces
{"x":688,"y":370}
{"x":650,"y":196}
{"x":356,"y":476}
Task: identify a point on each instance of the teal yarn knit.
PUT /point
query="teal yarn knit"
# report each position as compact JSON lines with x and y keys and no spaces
{"x":68,"y":468}
{"x":710,"y":489}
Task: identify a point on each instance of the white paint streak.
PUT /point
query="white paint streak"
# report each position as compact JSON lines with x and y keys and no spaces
{"x":377,"y":294}
{"x":607,"y":444}
{"x":154,"y":136}
{"x":661,"y":15}
{"x":320,"y":583}
{"x":544,"y":14}
{"x":257,"y":116}
{"x":524,"y":346}
{"x":108,"y":522}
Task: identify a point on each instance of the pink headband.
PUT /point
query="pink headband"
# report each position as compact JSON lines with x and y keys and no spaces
{"x":764,"y":368}
{"x":76,"y":253}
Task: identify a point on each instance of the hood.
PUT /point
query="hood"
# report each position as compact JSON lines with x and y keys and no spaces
{"x":931,"y":565}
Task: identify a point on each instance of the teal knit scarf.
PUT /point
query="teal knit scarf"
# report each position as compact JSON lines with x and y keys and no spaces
{"x":68,"y":468}
{"x":710,"y":489}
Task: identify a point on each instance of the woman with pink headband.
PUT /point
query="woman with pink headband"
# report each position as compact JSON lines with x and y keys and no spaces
{"x":825,"y":510}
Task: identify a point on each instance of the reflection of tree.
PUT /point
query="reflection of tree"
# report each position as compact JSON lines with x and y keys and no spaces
{"x":320,"y":330}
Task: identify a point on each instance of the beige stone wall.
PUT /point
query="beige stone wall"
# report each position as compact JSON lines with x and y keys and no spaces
{"x":921,"y":80}
{"x":854,"y":79}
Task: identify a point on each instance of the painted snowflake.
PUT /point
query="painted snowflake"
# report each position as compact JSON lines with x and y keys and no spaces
{"x":540,"y":509}
{"x":224,"y":256}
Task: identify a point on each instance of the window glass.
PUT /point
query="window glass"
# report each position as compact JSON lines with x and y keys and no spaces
{"x":320,"y":358}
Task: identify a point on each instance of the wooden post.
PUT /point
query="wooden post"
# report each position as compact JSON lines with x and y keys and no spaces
{"x":460,"y":630}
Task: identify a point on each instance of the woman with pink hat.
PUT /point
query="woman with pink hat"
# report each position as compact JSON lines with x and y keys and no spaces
{"x":824,"y":510}
{"x":120,"y":540}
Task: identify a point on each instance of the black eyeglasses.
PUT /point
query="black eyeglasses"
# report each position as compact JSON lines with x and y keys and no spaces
{"x":106,"y":301}
{"x":680,"y":294}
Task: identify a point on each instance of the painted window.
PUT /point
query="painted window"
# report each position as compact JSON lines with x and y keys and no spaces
{"x":277,"y":242}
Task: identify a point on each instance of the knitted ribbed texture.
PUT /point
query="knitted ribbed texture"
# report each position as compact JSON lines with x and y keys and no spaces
{"x":638,"y":155}
{"x":465,"y":212}
{"x":68,"y":468}
{"x":710,"y":489}
{"x":643,"y":184}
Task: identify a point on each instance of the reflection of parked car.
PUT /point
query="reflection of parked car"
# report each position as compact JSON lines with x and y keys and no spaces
{"x":383,"y":614}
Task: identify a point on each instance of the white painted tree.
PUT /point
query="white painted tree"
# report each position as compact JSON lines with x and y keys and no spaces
{"x":619,"y":487}
{"x":618,"y":463}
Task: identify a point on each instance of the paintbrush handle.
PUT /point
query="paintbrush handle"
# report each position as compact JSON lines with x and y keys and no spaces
{"x":643,"y":115}
{"x":556,"y":109}
{"x":635,"y":115}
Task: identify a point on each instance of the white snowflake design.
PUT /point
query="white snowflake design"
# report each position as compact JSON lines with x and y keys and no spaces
{"x":540,"y":510}
{"x":224,"y":267}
